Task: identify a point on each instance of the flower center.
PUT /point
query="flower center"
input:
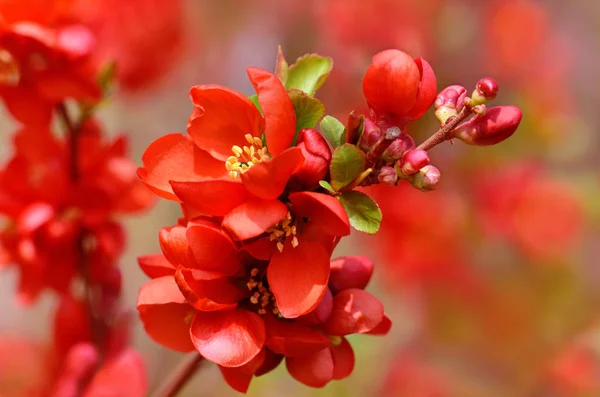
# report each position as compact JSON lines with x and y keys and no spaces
{"x":245,"y":157}
{"x":284,"y":229}
{"x":262,"y":298}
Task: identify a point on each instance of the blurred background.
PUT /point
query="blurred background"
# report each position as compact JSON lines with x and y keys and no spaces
{"x":493,"y":280}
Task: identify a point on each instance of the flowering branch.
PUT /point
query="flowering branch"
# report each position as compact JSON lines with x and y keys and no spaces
{"x":180,"y":376}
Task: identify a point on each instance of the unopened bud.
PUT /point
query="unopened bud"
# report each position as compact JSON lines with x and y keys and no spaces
{"x":387,"y":176}
{"x":449,"y":102}
{"x":350,"y":272}
{"x":426,"y":179}
{"x":317,"y":157}
{"x":397,"y":148}
{"x":496,"y":125}
{"x":370,"y":136}
{"x":413,"y":161}
{"x":485,"y":90}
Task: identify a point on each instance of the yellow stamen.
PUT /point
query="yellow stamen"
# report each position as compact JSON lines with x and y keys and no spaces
{"x":282,"y":231}
{"x":245,"y":157}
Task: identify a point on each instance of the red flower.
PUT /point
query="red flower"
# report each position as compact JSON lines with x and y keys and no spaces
{"x":48,"y":213}
{"x":43,"y":62}
{"x":209,"y":296}
{"x":399,"y":88}
{"x":247,"y":189}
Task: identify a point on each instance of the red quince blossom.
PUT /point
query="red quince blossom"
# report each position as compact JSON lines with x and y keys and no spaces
{"x":223,"y":169}
{"x":47,"y":211}
{"x":398,"y":88}
{"x":43,"y":60}
{"x":208,"y":295}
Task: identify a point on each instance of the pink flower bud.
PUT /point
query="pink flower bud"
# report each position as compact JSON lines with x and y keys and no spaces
{"x":496,"y":125}
{"x":488,"y":87}
{"x":399,"y":87}
{"x":397,"y":148}
{"x":317,"y":157}
{"x":449,"y":102}
{"x":426,"y":179}
{"x":485,"y":90}
{"x":370,"y":136}
{"x":350,"y":272}
{"x":387,"y":176}
{"x":413,"y":161}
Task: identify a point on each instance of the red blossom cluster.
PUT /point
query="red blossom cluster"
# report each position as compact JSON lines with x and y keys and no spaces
{"x":62,"y":190}
{"x":245,"y":276}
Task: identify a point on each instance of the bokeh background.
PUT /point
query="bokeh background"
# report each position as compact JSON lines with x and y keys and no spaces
{"x":493,"y":280}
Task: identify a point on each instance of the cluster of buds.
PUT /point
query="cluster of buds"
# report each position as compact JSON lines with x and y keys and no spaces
{"x":399,"y":89}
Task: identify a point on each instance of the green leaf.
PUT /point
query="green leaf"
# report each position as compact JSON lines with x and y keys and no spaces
{"x":333,"y":130}
{"x":254,"y":100}
{"x":281,"y":66}
{"x":107,"y":76}
{"x":309,"y":110}
{"x":325,"y":185}
{"x":363,"y":211}
{"x":347,"y":163}
{"x":309,"y":73}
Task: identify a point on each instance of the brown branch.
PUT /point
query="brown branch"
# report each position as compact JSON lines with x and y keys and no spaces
{"x":180,"y":376}
{"x":445,"y":133}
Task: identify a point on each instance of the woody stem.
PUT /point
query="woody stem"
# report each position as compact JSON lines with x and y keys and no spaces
{"x":179,"y":377}
{"x":73,"y":132}
{"x":445,"y":133}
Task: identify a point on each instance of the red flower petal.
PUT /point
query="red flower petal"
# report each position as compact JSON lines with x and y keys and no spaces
{"x":272,"y":361}
{"x":239,"y":378}
{"x":298,"y":278}
{"x":314,"y":370}
{"x":27,"y":106}
{"x":213,"y":197}
{"x":174,"y":245}
{"x":354,"y":311}
{"x":163,"y":311}
{"x":292,"y":339}
{"x":174,"y":157}
{"x":350,"y":272}
{"x":221,"y":119}
{"x":427,"y":89}
{"x":268,"y":179}
{"x":261,"y":249}
{"x":213,"y":249}
{"x":208,"y":295}
{"x":280,"y":119}
{"x":229,"y":338}
{"x":321,"y":312}
{"x":343,"y":359}
{"x":252,"y":218}
{"x":323,"y":209}
{"x":156,"y":265}
{"x":123,"y":375}
{"x":383,"y":327}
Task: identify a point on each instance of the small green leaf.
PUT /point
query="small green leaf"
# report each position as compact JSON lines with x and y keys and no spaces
{"x":309,"y":73}
{"x":347,"y":163}
{"x":107,"y":75}
{"x":309,"y":110}
{"x":325,"y":185}
{"x":254,"y":100}
{"x":363,"y":211}
{"x":333,"y":130}
{"x":281,"y":66}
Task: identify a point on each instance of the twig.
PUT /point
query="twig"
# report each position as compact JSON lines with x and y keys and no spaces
{"x":444,"y":133}
{"x":180,"y":376}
